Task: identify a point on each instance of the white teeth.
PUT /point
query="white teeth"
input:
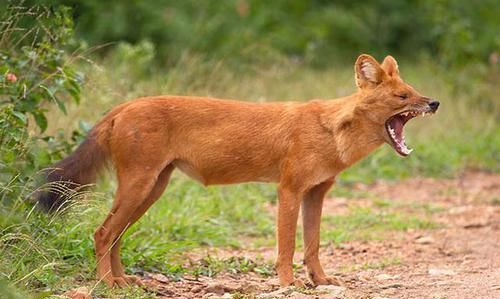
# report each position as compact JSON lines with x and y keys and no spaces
{"x":406,"y":151}
{"x":423,"y":113}
{"x":405,"y":114}
{"x":400,"y":144}
{"x":392,"y":132}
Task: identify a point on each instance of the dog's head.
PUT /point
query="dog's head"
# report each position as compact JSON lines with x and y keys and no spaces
{"x":387,"y":101}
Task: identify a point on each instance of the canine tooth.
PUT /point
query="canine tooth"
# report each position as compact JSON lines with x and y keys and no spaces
{"x":405,"y":114}
{"x":423,"y":113}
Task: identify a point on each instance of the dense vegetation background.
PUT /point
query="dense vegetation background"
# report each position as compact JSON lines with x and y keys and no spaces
{"x":319,"y":32}
{"x":63,"y":64}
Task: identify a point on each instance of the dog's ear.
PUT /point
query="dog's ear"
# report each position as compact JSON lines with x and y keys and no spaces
{"x":390,"y":66}
{"x":368,"y":71}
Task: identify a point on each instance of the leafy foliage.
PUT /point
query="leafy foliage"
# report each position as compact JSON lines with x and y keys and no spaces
{"x":319,"y":32}
{"x":35,"y":72}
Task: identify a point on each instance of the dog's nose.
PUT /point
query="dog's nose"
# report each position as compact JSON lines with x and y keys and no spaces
{"x":434,"y":105}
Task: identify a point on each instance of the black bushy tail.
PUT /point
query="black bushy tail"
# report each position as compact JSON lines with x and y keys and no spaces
{"x":80,"y":168}
{"x":73,"y":172}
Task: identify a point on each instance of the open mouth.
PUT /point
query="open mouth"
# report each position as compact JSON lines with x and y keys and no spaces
{"x":394,"y":126}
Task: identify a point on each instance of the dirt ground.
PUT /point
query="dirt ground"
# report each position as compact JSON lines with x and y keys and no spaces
{"x":460,"y":259}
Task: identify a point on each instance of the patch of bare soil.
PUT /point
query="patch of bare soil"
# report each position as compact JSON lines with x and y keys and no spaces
{"x":461,"y":259}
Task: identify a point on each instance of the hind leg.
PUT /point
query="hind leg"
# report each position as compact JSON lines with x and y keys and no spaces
{"x":156,"y":192}
{"x":134,"y":187}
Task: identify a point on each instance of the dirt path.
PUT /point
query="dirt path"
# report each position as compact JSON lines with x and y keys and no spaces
{"x":461,"y":259}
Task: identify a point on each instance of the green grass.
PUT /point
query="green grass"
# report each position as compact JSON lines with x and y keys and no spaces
{"x":210,"y":266}
{"x":45,"y":254}
{"x":363,"y":223}
{"x":52,"y":253}
{"x":379,"y":264}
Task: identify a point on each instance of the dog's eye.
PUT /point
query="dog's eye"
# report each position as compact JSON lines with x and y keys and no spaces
{"x":403,"y":96}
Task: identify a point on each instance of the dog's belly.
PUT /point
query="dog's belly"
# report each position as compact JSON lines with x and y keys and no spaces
{"x":227,"y":172}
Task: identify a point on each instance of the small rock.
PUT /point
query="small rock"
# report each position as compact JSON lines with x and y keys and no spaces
{"x":391,"y":286}
{"x":441,"y":272}
{"x":160,"y":277}
{"x":332,"y":290}
{"x":365,"y":275}
{"x":214,"y":296}
{"x":445,"y":283}
{"x":476,"y":224}
{"x":215,"y":288}
{"x":279,"y":293}
{"x":386,"y":277}
{"x":459,"y":210}
{"x":424,"y":240}
{"x":78,"y":293}
{"x":297,"y":295}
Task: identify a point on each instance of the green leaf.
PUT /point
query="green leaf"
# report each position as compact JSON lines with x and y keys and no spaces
{"x":8,"y":156}
{"x":59,"y":103}
{"x":73,"y":88}
{"x":20,"y":116}
{"x":41,"y":120}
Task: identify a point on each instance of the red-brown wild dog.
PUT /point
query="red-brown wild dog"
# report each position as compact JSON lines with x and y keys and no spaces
{"x":300,"y":146}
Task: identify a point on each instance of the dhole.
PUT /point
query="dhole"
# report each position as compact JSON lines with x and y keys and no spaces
{"x":300,"y":146}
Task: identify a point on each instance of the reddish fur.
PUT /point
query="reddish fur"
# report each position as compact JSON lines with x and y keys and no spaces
{"x":300,"y":146}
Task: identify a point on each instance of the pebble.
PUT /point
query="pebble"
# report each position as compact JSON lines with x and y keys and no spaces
{"x":297,"y":295}
{"x":332,"y":290}
{"x":160,"y":277}
{"x":441,"y":272}
{"x":215,"y":288}
{"x":279,"y":293}
{"x":425,"y":240}
{"x":391,"y":286}
{"x":386,"y":277}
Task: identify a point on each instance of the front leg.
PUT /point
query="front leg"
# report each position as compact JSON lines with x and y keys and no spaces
{"x":311,"y":218}
{"x":288,"y":211}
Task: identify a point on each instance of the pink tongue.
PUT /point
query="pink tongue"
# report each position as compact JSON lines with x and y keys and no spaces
{"x":397,"y":124}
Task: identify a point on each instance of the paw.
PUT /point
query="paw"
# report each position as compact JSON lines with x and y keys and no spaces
{"x":122,"y":281}
{"x":325,"y":280}
{"x":298,"y":283}
{"x":133,"y":279}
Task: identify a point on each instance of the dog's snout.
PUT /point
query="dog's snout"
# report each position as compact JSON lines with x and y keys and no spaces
{"x":434,"y":105}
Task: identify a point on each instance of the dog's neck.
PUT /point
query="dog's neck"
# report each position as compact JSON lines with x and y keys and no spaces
{"x":355,"y":135}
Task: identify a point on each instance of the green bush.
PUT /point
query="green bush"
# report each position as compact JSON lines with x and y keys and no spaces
{"x":35,"y":72}
{"x":319,"y":32}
